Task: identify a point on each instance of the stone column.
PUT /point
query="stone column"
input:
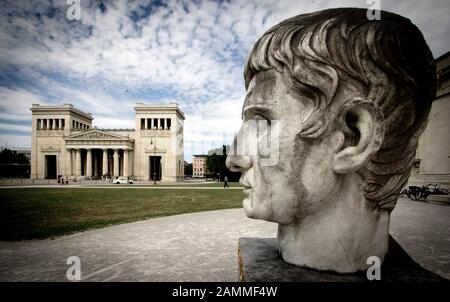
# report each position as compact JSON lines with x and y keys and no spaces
{"x":95,"y":159}
{"x":116,"y":162}
{"x":105,"y":162}
{"x":72,"y":157}
{"x":69,"y":162}
{"x":126,"y":172}
{"x":89,"y":162}
{"x":130,"y":162}
{"x":77,"y":162}
{"x":145,"y":124}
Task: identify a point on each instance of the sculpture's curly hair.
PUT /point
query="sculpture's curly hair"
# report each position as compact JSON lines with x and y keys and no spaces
{"x":386,"y":60}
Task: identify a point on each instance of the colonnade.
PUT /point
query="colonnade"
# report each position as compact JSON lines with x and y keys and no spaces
{"x":98,"y":162}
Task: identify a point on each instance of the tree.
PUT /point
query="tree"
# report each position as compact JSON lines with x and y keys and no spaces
{"x":13,"y":164}
{"x":8,"y":156}
{"x":188,"y":169}
{"x":215,"y":162}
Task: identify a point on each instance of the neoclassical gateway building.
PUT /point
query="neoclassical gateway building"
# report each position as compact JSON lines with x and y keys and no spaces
{"x":65,"y":143}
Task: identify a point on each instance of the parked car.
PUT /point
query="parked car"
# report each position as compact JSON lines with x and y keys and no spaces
{"x":122,"y":180}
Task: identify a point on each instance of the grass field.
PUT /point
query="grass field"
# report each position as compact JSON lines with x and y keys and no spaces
{"x":171,"y":184}
{"x":38,"y":213}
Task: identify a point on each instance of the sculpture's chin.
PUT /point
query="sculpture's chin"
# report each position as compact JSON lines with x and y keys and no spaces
{"x":248,"y":208}
{"x":254,"y":209}
{"x":262,"y":209}
{"x":251,"y":209}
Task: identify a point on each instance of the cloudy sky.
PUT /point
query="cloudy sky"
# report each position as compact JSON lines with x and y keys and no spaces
{"x":119,"y":53}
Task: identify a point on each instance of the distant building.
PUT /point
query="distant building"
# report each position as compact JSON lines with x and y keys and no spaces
{"x":432,"y":164}
{"x":199,"y":168}
{"x":64,"y":143}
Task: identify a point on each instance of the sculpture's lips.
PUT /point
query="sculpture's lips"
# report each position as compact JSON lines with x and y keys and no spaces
{"x":247,"y":190}
{"x":247,"y":187}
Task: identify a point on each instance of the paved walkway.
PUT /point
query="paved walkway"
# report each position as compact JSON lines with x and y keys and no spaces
{"x":197,"y":247}
{"x":191,"y":247}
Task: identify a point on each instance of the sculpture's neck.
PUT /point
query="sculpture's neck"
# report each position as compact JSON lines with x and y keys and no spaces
{"x":340,"y":239}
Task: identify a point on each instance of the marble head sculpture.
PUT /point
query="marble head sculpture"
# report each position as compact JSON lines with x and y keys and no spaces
{"x":350,"y":97}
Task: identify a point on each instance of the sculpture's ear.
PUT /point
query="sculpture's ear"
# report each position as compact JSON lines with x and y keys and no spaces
{"x":361,"y":123}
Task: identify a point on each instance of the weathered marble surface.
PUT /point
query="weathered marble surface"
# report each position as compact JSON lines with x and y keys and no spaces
{"x":349,"y":97}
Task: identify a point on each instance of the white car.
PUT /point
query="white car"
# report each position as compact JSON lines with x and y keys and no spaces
{"x":122,"y":180}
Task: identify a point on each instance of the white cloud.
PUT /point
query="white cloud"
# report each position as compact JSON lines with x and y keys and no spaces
{"x":14,"y":117}
{"x":10,"y":141}
{"x":12,"y":127}
{"x":17,"y":102}
{"x":113,"y":123}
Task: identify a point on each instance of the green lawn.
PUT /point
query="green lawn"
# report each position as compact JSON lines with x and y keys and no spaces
{"x":37,"y":213}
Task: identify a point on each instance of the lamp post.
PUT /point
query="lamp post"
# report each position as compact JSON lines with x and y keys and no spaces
{"x":154,"y":168}
{"x":154,"y":158}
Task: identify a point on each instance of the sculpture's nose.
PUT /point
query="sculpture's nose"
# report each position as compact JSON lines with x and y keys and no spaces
{"x":235,"y":161}
{"x":238,"y":163}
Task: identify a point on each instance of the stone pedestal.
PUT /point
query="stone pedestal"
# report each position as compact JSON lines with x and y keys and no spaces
{"x":259,"y":261}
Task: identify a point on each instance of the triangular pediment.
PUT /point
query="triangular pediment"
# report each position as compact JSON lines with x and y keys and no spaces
{"x":96,"y":135}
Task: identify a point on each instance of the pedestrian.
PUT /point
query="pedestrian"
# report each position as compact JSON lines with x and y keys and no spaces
{"x":225,"y":182}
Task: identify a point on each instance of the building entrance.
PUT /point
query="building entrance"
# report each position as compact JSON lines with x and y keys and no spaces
{"x":155,"y":168}
{"x":50,"y":166}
